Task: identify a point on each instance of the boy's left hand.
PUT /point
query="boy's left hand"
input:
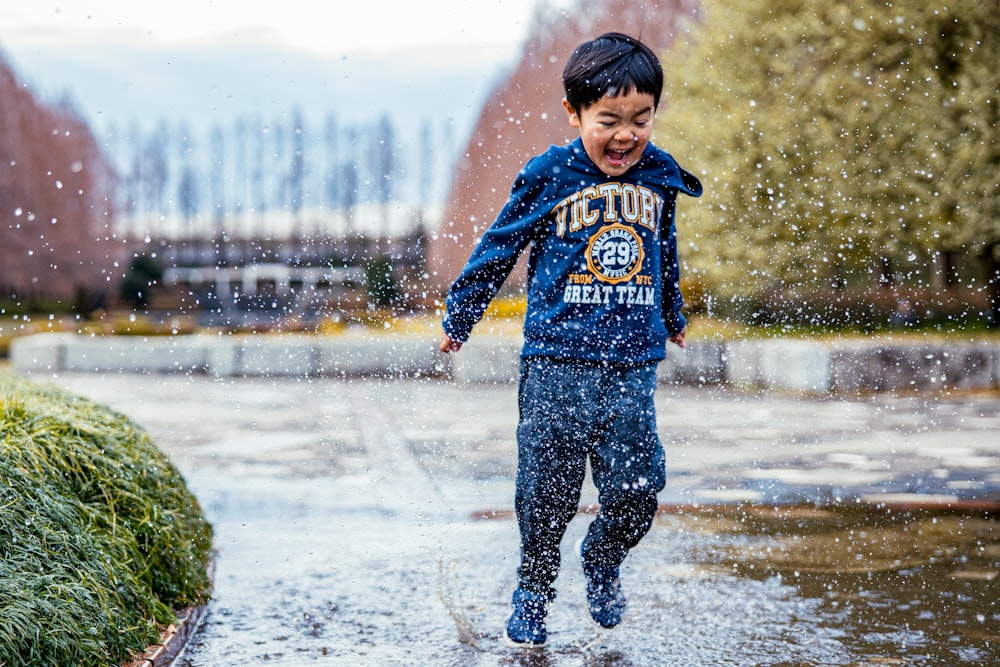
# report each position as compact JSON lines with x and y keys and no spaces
{"x":447,"y":344}
{"x":678,"y":338}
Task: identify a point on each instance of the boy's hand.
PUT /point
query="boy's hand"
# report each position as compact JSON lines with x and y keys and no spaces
{"x":449,"y":345}
{"x":678,"y":338}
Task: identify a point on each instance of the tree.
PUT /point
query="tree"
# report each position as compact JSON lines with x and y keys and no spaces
{"x":218,"y":192}
{"x":836,"y":137}
{"x":383,"y":167}
{"x":143,"y":274}
{"x":330,"y":181}
{"x":426,"y":173}
{"x":297,"y":170}
{"x":381,"y":284}
{"x":351,"y":182}
{"x":188,"y":195}
{"x":241,"y":166}
{"x":279,"y":199}
{"x":155,"y":170}
{"x":257,"y":173}
{"x":56,"y":202}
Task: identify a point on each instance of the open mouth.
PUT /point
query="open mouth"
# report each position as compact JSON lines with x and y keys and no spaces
{"x":617,"y":157}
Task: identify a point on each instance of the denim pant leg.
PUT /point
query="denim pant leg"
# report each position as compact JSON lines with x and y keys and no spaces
{"x":551,"y":464}
{"x":628,"y":465}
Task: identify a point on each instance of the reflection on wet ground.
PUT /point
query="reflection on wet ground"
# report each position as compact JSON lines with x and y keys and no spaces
{"x":367,"y":523}
{"x":794,"y":587}
{"x":898,"y":588}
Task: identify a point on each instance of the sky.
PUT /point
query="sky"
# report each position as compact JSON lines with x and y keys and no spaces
{"x":128,"y":62}
{"x":131,"y":67}
{"x":335,"y":26}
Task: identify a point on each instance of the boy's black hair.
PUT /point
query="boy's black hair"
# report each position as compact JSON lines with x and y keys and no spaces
{"x":613,"y":64}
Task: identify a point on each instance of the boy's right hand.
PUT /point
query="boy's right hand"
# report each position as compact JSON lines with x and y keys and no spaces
{"x":449,"y":345}
{"x":678,"y":339}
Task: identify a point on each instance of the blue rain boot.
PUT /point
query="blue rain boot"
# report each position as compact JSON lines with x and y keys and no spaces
{"x":526,"y":625}
{"x":605,"y":599}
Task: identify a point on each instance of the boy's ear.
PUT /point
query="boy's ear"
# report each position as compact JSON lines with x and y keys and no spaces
{"x":574,"y":117}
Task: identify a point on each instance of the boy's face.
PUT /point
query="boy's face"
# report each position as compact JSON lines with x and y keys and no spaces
{"x":615,"y":130}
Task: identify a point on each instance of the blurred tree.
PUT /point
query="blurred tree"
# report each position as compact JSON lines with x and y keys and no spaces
{"x":55,"y":203}
{"x":275,"y":166}
{"x":257,"y":173}
{"x":842,"y":142}
{"x":188,"y":194}
{"x":349,"y":194}
{"x":297,"y":171}
{"x":331,"y":132}
{"x":383,"y":166}
{"x":351,"y":181}
{"x":379,"y":279}
{"x":131,"y":203}
{"x":241,"y":166}
{"x":155,"y":170}
{"x":143,"y":274}
{"x":187,"y":198}
{"x":218,"y":192}
{"x":426,"y":155}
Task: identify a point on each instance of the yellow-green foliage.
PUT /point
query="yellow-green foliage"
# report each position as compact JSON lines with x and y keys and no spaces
{"x":834,"y":138}
{"x":100,"y":539}
{"x":507,"y":307}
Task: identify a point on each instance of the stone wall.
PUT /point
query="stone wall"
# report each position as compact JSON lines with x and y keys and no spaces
{"x":863,"y":365}
{"x":777,"y":364}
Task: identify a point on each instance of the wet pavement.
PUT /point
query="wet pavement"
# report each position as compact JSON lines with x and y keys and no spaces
{"x":367,"y":522}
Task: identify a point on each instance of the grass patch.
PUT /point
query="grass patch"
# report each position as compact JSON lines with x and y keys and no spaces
{"x":100,"y":539}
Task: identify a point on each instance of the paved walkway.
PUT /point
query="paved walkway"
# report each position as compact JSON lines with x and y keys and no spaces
{"x":458,"y":439}
{"x":343,"y":509}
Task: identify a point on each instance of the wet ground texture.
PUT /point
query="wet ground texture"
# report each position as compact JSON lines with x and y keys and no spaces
{"x":365,"y":522}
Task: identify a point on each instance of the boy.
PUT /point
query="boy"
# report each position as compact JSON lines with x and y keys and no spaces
{"x":603,"y":299}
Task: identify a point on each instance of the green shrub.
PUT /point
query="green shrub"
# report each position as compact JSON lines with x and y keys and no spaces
{"x":100,"y":539}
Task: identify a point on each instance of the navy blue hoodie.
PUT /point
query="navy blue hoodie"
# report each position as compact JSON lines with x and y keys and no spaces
{"x":603,"y":277}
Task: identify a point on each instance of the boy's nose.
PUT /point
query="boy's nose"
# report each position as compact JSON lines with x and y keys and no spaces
{"x":625,"y":135}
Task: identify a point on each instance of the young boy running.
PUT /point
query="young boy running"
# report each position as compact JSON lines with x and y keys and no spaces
{"x":603,"y":300}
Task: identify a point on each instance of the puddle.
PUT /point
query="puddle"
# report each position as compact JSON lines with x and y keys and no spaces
{"x":322,"y":583}
{"x":897,"y":589}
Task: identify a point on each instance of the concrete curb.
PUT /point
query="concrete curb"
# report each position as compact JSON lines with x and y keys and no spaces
{"x":782,"y":364}
{"x":175,"y":636}
{"x":172,"y":641}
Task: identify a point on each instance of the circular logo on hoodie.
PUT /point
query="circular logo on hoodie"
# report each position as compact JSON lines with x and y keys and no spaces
{"x":615,"y":254}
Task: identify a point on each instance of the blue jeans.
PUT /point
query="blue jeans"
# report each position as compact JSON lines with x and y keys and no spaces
{"x":571,"y":411}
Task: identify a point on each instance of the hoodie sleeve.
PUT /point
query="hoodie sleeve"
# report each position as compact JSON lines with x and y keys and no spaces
{"x":495,"y":255}
{"x":673,"y":300}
